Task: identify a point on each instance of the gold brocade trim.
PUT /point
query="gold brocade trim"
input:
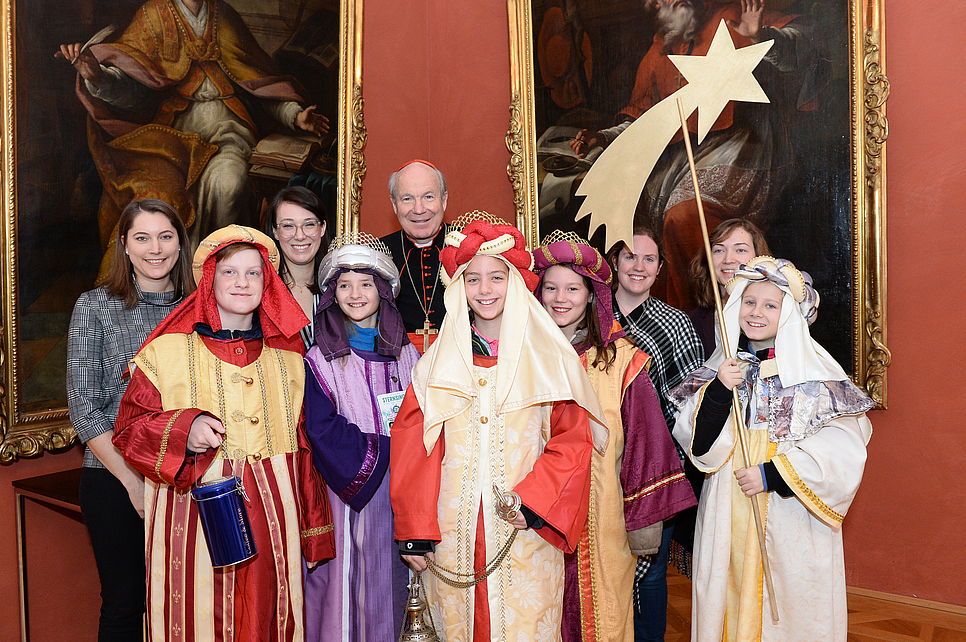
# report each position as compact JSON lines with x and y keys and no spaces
{"x":286,"y":394}
{"x":222,"y":411}
{"x":164,"y":440}
{"x":267,"y":416}
{"x":192,"y":350}
{"x":318,"y":530}
{"x":146,"y":363}
{"x":647,"y":490}
{"x":551,"y":259}
{"x":593,"y":538}
{"x":815,"y":500}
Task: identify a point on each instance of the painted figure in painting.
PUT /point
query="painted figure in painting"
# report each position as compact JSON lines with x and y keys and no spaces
{"x":806,"y":442}
{"x":176,"y":103}
{"x":745,"y":159}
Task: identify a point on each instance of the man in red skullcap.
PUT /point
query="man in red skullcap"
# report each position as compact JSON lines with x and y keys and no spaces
{"x":417,"y":191}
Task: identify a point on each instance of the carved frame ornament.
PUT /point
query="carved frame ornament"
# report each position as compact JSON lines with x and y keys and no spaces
{"x":869,"y":91}
{"x":29,"y":433}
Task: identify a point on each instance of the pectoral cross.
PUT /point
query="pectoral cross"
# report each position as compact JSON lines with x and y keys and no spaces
{"x":426,"y":331}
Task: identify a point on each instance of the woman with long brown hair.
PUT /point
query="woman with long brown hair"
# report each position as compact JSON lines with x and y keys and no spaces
{"x":733,"y":243}
{"x":296,"y":221}
{"x":149,"y":276}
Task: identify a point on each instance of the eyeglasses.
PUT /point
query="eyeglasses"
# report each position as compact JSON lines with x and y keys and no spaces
{"x":287,"y":229}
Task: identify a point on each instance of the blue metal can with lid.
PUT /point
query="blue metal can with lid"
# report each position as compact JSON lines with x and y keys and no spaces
{"x":224,"y":520}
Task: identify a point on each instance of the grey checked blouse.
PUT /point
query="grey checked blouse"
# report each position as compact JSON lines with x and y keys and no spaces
{"x":102,"y":338}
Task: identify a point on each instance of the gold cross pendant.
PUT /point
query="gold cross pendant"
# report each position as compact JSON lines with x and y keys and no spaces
{"x":427,"y":330}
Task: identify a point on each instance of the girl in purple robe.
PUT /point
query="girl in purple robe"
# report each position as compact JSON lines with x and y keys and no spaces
{"x":361,"y":363}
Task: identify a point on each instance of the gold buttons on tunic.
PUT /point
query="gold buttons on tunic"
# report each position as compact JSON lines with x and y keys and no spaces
{"x":253,"y":420}
{"x":482,"y":382}
{"x":257,"y":456}
{"x":484,"y":419}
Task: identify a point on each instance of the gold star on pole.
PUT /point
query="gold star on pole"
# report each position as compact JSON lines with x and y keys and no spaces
{"x":614,"y":183}
{"x":722,"y":75}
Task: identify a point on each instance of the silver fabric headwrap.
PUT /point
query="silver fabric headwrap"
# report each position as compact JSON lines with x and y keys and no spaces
{"x":351,"y":256}
{"x":786,"y":276}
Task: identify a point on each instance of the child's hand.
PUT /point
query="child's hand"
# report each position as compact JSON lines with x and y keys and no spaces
{"x":206,"y":432}
{"x":519,"y":522}
{"x":730,"y":374}
{"x":749,"y":480}
{"x":418,"y":562}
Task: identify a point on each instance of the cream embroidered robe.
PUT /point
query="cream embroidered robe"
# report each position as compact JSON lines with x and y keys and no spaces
{"x":802,"y":533}
{"x":541,"y":451}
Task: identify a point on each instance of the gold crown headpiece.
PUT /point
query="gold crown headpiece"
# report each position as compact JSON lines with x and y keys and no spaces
{"x":476,"y":215}
{"x":359,"y":238}
{"x":559,"y":235}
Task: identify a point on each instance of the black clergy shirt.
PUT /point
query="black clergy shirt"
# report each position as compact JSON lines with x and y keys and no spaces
{"x":419,"y":279}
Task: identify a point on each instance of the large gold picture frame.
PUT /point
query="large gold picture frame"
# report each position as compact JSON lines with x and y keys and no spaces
{"x":39,"y":105}
{"x":865,"y":127}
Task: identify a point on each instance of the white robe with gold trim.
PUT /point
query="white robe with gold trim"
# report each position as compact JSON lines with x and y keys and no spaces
{"x":802,"y":533}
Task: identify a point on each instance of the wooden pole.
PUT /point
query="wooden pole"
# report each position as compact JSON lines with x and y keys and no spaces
{"x":739,"y":421}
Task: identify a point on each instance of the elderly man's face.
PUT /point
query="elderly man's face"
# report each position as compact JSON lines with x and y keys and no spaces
{"x":418,"y":203}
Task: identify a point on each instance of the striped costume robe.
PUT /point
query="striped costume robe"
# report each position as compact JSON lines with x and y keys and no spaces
{"x":636,"y":482}
{"x":256,"y":391}
{"x":361,"y":594}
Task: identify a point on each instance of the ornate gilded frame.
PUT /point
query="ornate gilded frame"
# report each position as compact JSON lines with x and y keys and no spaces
{"x":31,"y":433}
{"x":869,"y":90}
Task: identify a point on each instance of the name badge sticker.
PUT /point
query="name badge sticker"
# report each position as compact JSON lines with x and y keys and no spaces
{"x":389,"y":404}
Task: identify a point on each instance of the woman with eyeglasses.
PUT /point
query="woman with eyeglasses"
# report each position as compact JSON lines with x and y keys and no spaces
{"x":296,"y":220}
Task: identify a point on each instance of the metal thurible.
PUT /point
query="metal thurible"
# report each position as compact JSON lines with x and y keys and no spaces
{"x":415,"y":627}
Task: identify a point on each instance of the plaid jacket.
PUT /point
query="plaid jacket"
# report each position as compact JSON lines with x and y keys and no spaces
{"x":667,"y":335}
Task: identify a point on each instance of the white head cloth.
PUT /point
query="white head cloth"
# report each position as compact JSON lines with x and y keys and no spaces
{"x":800,"y":358}
{"x":351,"y":256}
{"x":536,"y":364}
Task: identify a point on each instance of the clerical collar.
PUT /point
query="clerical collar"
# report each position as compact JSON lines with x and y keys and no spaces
{"x":255,"y":332}
{"x":436,"y":240}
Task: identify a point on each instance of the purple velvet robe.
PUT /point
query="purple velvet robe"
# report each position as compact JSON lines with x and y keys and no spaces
{"x":361,"y":594}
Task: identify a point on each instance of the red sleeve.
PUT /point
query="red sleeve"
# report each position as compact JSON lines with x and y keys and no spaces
{"x":155,"y":441}
{"x":414,"y":477}
{"x":558,"y":487}
{"x":315,"y":514}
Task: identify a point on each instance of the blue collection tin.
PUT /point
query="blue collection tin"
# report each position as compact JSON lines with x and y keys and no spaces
{"x":224,"y":520}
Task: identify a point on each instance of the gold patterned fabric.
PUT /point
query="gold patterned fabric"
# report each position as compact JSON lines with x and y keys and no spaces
{"x":486,"y":447}
{"x":244,"y":395}
{"x":259,"y":405}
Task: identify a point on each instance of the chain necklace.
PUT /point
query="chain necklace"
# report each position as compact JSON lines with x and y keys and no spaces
{"x":426,"y":308}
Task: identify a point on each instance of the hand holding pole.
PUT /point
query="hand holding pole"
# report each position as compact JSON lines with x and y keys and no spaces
{"x":735,"y":403}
